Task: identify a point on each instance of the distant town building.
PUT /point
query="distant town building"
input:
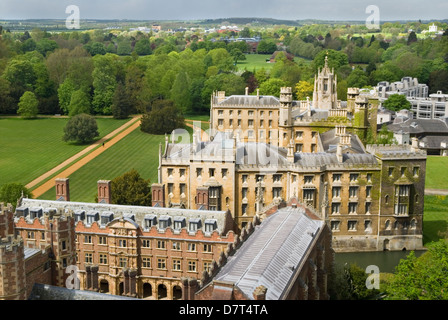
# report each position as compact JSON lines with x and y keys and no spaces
{"x":408,"y":86}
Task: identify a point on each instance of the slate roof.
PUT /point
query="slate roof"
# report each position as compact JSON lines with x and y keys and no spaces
{"x":125,"y":212}
{"x":249,"y":100}
{"x":330,"y":141}
{"x":421,"y":126}
{"x":273,"y":254}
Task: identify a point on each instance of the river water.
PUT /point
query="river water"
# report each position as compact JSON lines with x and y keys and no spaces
{"x":385,"y":260}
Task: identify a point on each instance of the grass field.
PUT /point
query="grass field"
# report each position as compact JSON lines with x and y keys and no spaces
{"x":137,"y":151}
{"x":436,"y":172}
{"x":435,"y":218}
{"x":29,"y":148}
{"x":254,"y":62}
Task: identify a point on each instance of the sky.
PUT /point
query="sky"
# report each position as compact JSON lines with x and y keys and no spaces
{"x":213,"y":9}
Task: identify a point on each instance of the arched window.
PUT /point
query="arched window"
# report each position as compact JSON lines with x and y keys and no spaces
{"x":177,"y":293}
{"x":104,"y":286}
{"x":387,"y":224}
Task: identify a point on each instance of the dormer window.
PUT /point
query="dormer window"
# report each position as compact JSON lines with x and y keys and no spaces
{"x":92,"y":216}
{"x":164,"y":222}
{"x":106,"y":217}
{"x":210,"y":225}
{"x":179,"y":223}
{"x":80,"y":215}
{"x":150,"y":220}
{"x":194,"y":224}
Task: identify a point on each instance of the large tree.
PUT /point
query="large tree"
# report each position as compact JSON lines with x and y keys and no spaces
{"x":79,"y":103}
{"x":121,"y":105}
{"x":11,"y":192}
{"x":397,"y":102}
{"x":131,"y":189}
{"x":163,"y":118}
{"x":28,"y":105}
{"x":422,"y":278}
{"x":82,"y":128}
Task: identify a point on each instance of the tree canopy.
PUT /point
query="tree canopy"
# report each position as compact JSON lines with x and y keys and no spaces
{"x":81,"y":128}
{"x":11,"y":192}
{"x":131,"y":189}
{"x":397,"y":102}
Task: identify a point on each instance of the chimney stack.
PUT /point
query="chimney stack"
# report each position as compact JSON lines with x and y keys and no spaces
{"x":247,"y":91}
{"x":62,"y":189}
{"x":104,"y":191}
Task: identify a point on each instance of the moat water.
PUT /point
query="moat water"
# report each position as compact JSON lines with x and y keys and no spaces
{"x":385,"y":260}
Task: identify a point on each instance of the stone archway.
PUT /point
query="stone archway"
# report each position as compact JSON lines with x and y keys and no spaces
{"x":147,"y":290}
{"x":162,"y":292}
{"x":386,"y":245}
{"x":177,"y":293}
{"x":104,"y":286}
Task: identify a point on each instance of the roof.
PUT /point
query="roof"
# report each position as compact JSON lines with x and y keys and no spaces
{"x":125,"y":211}
{"x":250,"y":100}
{"x":329,"y":139}
{"x":321,"y":158}
{"x":273,"y":254}
{"x":420,"y":126}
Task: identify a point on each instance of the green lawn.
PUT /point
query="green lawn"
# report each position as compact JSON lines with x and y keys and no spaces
{"x":436,"y":172}
{"x":137,"y":151}
{"x":29,"y":148}
{"x":255,"y":61}
{"x":435,"y":218}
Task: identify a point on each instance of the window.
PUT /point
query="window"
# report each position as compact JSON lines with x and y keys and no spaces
{"x":87,"y":239}
{"x":146,"y":262}
{"x":403,"y":171}
{"x":244,"y":193}
{"x":239,"y":122}
{"x":369,"y":177}
{"x":176,"y":245}
{"x":353,"y":192}
{"x":368,"y":191}
{"x":224,"y":172}
{"x":210,"y":225}
{"x":250,"y":133}
{"x":401,"y":209}
{"x":308,"y":179}
{"x":250,"y":113}
{"x":164,"y":222}
{"x":182,"y":189}
{"x":277,"y":177}
{"x":122,"y":243}
{"x":64,"y":245}
{"x":170,"y":188}
{"x":367,"y":225}
{"x":244,"y":208}
{"x":182,"y":172}
{"x":161,"y":244}
{"x":299,"y":147}
{"x":261,"y":123}
{"x":220,"y":112}
{"x":103,"y":258}
{"x":270,"y":123}
{"x":177,"y":266}
{"x":231,"y":122}
{"x":250,"y":123}
{"x":415,"y":171}
{"x":335,"y":225}
{"x":351,"y":225}
{"x":211,"y":172}
{"x":170,"y":172}
{"x":368,"y":205}
{"x":402,"y":191}
{"x":102,"y":240}
{"x":89,"y":257}
{"x":220,"y":122}
{"x":313,"y":148}
{"x":354,"y":177}
{"x":276,"y":192}
{"x":336,"y":191}
{"x":30,"y":235}
{"x":207,"y":266}
{"x":64,"y":262}
{"x":42,"y":236}
{"x":335,"y":208}
{"x":387,"y":225}
{"x":207,"y":247}
{"x":299,"y":134}
{"x":150,"y":221}
{"x":352,"y":207}
{"x":337,"y":177}
{"x":391,"y":171}
{"x":161,"y":263}
{"x":192,"y":266}
{"x":146,"y":243}
{"x":308,"y":194}
{"x":191,"y":246}
{"x":244,"y":178}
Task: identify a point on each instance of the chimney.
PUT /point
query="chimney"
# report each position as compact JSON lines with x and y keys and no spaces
{"x":62,"y":189}
{"x":260,"y":293}
{"x":247,"y":91}
{"x":339,"y":153}
{"x":221,"y":96}
{"x":104,"y":191}
{"x":290,"y":155}
{"x":258,"y":94}
{"x":414,"y":144}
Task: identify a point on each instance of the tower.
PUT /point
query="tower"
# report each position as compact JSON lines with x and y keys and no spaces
{"x":285,"y":116}
{"x":360,"y":117}
{"x":325,"y":95}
